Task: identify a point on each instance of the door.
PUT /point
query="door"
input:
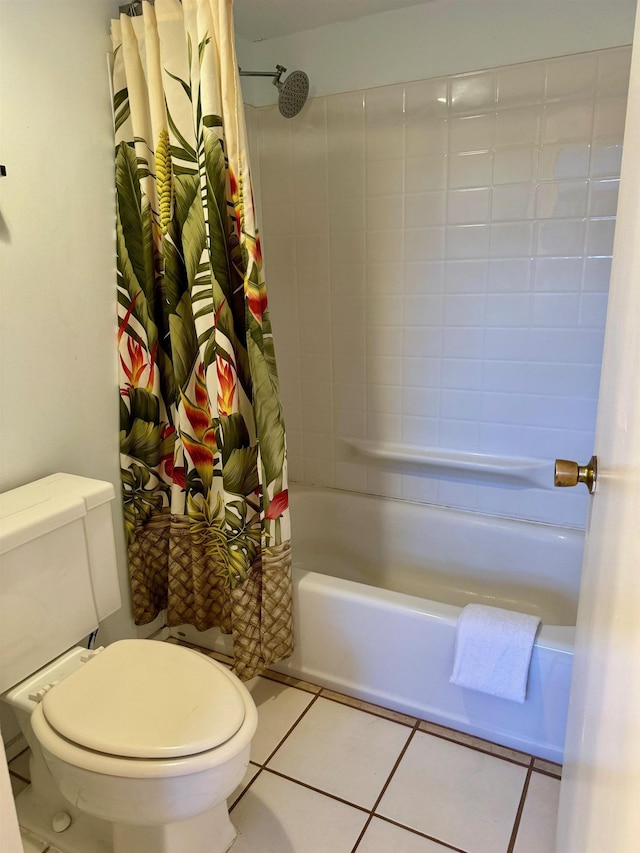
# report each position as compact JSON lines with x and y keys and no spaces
{"x":600,"y":791}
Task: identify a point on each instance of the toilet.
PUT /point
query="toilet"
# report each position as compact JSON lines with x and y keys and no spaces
{"x":136,"y":746}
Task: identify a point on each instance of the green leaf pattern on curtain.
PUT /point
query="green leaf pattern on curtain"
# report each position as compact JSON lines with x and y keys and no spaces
{"x":202,"y":435}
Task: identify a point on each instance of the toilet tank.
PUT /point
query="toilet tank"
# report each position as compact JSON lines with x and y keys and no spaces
{"x":58,"y":571}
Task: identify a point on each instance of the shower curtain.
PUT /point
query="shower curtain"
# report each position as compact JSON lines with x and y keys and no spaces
{"x":202,"y":439}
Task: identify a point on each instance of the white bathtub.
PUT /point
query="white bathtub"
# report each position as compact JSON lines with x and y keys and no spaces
{"x":378,"y":589}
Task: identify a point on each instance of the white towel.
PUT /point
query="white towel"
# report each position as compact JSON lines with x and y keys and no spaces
{"x":493,"y":651}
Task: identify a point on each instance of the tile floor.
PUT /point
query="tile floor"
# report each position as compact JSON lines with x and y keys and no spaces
{"x":330,"y":774}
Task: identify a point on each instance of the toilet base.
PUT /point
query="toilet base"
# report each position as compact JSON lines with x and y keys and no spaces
{"x":85,"y":834}
{"x":209,"y":832}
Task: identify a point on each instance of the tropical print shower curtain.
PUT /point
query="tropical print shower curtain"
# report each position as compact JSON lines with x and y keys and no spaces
{"x":203,"y":449}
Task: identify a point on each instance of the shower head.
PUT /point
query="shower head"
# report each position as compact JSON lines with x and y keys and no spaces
{"x":293,"y":92}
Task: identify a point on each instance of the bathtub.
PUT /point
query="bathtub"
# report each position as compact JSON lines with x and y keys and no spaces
{"x":379,"y":585}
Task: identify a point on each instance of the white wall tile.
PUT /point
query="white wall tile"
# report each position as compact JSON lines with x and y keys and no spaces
{"x":424,"y":244}
{"x":566,"y":121}
{"x":559,"y":199}
{"x":469,"y":169}
{"x":438,"y":258}
{"x":613,"y":71}
{"x":384,"y":246}
{"x":564,"y":160}
{"x":572,"y":76}
{"x":520,"y":126}
{"x":561,"y":237}
{"x":606,"y":159}
{"x":425,"y":173}
{"x":423,"y":311}
{"x":558,"y":274}
{"x":425,"y":99}
{"x":475,"y":91}
{"x":597,"y":272}
{"x":421,"y":343}
{"x":472,"y":133}
{"x":385,"y":277}
{"x":556,"y":309}
{"x":466,"y":276}
{"x":385,"y":212}
{"x":511,"y":239}
{"x":423,"y":276}
{"x":510,"y":274}
{"x":420,"y":432}
{"x":387,"y":180}
{"x":345,"y":112}
{"x":423,"y":209}
{"x":467,"y":241}
{"x":468,"y":206}
{"x":521,"y":84}
{"x":508,"y":309}
{"x":515,"y":165}
{"x":463,"y":342}
{"x":609,"y":117}
{"x":604,"y":197}
{"x":600,"y":236}
{"x":426,"y":137}
{"x":513,"y":201}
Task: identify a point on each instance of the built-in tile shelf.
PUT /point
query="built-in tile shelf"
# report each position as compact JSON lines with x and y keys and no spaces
{"x":459,"y":465}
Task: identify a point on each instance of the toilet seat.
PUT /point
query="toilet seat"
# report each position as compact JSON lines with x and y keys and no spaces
{"x":143,"y":699}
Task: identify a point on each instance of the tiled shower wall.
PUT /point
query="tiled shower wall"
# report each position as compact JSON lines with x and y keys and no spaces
{"x":437,"y":258}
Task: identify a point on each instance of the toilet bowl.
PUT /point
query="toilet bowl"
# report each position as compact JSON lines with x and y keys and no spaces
{"x":135,"y":747}
{"x":150,"y":737}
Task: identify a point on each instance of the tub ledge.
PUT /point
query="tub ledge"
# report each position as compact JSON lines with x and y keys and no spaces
{"x":509,"y":471}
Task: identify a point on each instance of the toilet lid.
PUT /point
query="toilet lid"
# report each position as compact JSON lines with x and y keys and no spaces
{"x":146,"y":699}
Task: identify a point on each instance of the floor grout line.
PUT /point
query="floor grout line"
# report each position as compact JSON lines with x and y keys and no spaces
{"x":273,"y":752}
{"x":518,"y":817}
{"x":385,"y":786}
{"x":309,"y":787}
{"x":420,"y":834}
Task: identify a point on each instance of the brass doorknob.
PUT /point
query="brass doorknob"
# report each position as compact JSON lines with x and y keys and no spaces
{"x":569,"y":473}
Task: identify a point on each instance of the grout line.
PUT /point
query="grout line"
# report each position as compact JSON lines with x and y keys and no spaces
{"x":385,"y":786}
{"x":547,"y":773}
{"x":420,"y":834}
{"x":527,"y":758}
{"x":286,"y":735}
{"x":316,"y":790}
{"x":350,"y":702}
{"x":18,"y":776}
{"x":290,"y":681}
{"x":245,"y":789}
{"x":518,"y":817}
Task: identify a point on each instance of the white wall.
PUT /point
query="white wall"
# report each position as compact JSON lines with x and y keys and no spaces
{"x":58,"y":377}
{"x":439,"y":38}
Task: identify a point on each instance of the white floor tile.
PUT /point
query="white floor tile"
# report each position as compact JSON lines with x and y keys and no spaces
{"x":455,"y":794}
{"x":30,"y":843}
{"x":20,"y":764}
{"x":279,"y":816}
{"x":279,"y":706}
{"x":537,"y":830}
{"x":381,"y":837}
{"x":17,"y":786}
{"x":343,"y":751}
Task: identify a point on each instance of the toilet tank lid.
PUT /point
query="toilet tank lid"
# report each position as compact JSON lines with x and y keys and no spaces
{"x":34,"y":509}
{"x":146,"y":699}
